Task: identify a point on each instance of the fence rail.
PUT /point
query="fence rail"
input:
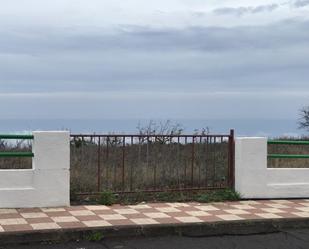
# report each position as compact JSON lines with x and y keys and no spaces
{"x":16,"y":137}
{"x":288,"y":156}
{"x":151,"y":163}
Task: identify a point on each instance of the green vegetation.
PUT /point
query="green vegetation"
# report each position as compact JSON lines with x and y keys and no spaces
{"x":107,"y":198}
{"x":134,"y":198}
{"x":219,"y":196}
{"x":94,"y":236}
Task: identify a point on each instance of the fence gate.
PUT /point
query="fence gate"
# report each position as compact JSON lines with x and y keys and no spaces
{"x":151,"y":163}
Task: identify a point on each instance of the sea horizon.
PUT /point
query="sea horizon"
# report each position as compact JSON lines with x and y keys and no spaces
{"x":242,"y":127}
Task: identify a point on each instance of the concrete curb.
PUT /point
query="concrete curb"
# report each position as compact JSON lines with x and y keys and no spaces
{"x":246,"y":227}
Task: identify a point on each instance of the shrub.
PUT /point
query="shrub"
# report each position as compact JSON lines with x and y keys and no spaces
{"x":219,"y":195}
{"x":107,"y":198}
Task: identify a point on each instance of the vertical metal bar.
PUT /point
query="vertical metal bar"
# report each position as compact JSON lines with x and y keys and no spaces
{"x":155,"y":166}
{"x":116,"y":165}
{"x":107,"y":164}
{"x":192,"y":161}
{"x":186,"y":162}
{"x":206,"y":164}
{"x":123,"y":158}
{"x":99,"y":165}
{"x":214,"y":162}
{"x":231,"y":160}
{"x":199,"y":161}
{"x":131,"y":166}
{"x":178,"y":162}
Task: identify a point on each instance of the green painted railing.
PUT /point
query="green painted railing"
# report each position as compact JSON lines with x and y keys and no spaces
{"x":288,"y":142}
{"x":13,"y":136}
{"x":16,"y":154}
{"x":12,"y":153}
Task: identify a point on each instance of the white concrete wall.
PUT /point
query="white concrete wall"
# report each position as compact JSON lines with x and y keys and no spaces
{"x":47,"y":184}
{"x":254,"y":180}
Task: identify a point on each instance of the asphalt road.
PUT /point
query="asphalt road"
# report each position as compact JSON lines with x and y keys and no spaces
{"x":285,"y":240}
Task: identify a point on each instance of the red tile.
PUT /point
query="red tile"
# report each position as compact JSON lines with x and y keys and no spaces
{"x":75,"y":208}
{"x":135,"y":216}
{"x":211,"y":218}
{"x":58,"y":214}
{"x":110,"y":211}
{"x":158,"y":205}
{"x":121,"y":222}
{"x":16,"y":228}
{"x":28,"y":210}
{"x":191,"y":208}
{"x":10,"y":216}
{"x":177,"y":214}
{"x":88,"y":217}
{"x":39,"y":220}
{"x":250,"y":216}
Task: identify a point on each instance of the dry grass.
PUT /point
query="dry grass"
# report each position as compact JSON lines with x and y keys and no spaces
{"x":148,"y":166}
{"x":287,"y":162}
{"x":15,"y":162}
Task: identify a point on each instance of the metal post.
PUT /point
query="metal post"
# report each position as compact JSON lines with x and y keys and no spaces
{"x":231,"y":160}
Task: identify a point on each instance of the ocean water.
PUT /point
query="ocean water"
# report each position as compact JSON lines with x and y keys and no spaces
{"x":243,"y":127}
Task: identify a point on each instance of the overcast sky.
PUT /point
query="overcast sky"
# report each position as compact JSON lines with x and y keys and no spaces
{"x":153,"y":59}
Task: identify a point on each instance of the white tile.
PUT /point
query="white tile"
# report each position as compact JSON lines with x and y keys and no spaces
{"x":197,"y":213}
{"x":144,"y":221}
{"x":34,"y":215}
{"x":207,"y":208}
{"x":50,"y":210}
{"x":268,"y":215}
{"x":157,"y":215}
{"x":236,"y":211}
{"x":176,"y":205}
{"x":81,"y":213}
{"x":243,"y":206}
{"x":44,"y":226}
{"x":112,"y":217}
{"x":97,"y":207}
{"x":126,"y":211}
{"x":65,"y":219}
{"x":282,"y":201}
{"x":17,"y":221}
{"x":8,"y":211}
{"x":188,"y":219}
{"x":140,"y":206}
{"x":168,"y":210}
{"x":96,"y":223}
{"x":273,"y":210}
{"x":277,"y":205}
{"x":249,"y":202}
{"x":304,"y":209}
{"x":229,"y":217}
{"x":302,"y":214}
{"x":306,"y":204}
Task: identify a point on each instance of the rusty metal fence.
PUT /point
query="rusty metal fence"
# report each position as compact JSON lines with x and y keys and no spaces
{"x":151,"y":163}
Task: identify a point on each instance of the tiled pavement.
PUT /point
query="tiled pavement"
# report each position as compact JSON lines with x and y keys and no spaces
{"x":13,"y":220}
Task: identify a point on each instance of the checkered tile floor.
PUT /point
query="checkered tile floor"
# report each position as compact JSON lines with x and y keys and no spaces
{"x":12,"y":220}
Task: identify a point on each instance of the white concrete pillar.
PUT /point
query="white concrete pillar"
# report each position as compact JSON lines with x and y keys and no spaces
{"x":47,"y":184}
{"x":251,"y":166}
{"x":52,"y":166}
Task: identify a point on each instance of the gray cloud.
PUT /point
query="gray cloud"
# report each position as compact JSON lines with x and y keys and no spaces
{"x":246,"y":10}
{"x":300,"y":3}
{"x":248,"y":71}
{"x":210,"y":58}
